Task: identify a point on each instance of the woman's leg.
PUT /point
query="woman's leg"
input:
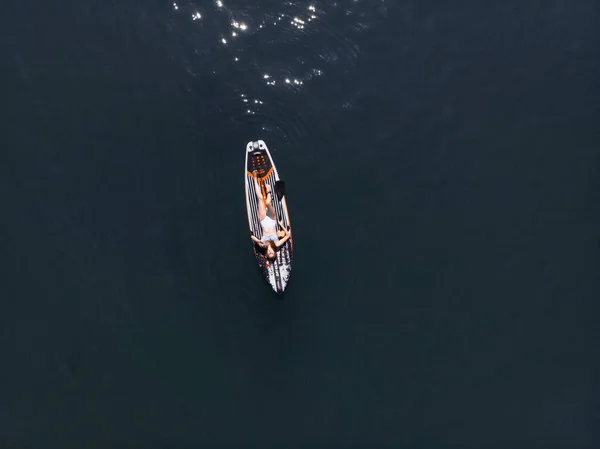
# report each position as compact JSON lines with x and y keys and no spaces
{"x":262,"y":211}
{"x":270,"y":210}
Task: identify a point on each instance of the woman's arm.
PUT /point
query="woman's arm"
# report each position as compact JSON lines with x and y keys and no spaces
{"x":282,"y":241}
{"x":255,"y":240}
{"x":285,"y":237}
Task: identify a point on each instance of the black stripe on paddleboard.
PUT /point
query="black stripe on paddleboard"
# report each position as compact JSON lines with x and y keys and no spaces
{"x":275,"y":267}
{"x":255,"y":219}
{"x":252,"y":200}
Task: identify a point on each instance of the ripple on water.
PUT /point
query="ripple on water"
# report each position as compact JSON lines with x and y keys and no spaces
{"x":267,"y":53}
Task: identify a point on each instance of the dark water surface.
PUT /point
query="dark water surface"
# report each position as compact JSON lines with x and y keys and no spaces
{"x":442,"y":169}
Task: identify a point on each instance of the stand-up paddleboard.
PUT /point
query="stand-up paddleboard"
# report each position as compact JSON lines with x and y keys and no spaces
{"x":258,"y":157}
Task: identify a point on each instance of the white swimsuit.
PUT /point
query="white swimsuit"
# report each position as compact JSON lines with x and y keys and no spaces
{"x":268,"y":222}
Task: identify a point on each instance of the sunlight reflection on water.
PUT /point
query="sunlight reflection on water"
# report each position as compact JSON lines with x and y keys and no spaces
{"x":253,"y":46}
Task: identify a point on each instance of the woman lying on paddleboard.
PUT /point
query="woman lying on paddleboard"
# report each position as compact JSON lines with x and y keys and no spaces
{"x":271,"y":239}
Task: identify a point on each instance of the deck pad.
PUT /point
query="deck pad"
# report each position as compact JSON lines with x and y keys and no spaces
{"x":276,"y":272}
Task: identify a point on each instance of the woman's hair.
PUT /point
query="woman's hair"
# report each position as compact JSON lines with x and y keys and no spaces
{"x":263,"y":248}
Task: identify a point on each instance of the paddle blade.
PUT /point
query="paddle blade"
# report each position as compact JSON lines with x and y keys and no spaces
{"x":279,"y":189}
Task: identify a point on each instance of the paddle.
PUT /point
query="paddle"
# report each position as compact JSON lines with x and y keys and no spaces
{"x":279,"y":189}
